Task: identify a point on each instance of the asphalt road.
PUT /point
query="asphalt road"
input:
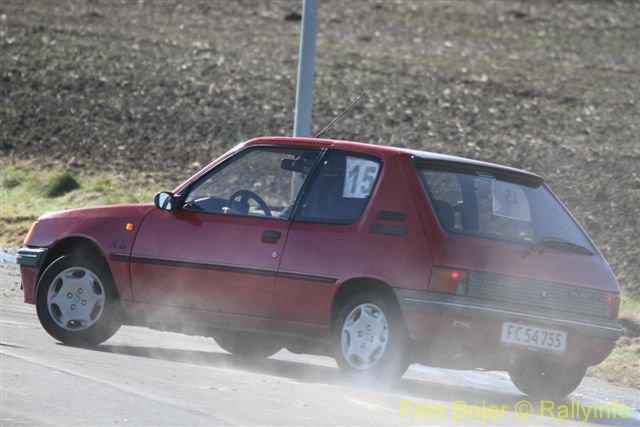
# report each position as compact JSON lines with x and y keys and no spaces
{"x":141,"y":376}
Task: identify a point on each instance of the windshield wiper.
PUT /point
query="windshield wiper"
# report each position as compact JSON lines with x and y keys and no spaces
{"x":558,"y":244}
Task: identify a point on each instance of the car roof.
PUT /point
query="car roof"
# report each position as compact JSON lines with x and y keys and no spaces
{"x":382,"y":150}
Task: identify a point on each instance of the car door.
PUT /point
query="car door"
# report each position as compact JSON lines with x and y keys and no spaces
{"x":221,"y":249}
{"x":324,"y":238}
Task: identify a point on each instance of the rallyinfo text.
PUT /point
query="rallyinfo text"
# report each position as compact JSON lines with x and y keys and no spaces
{"x":485,"y":413}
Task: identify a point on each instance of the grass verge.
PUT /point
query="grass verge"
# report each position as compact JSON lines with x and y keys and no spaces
{"x":27,"y":191}
{"x":623,"y":365}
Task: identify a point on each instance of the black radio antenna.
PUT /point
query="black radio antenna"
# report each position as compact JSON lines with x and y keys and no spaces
{"x":339,"y":115}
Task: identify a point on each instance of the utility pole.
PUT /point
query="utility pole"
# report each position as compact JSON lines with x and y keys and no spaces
{"x":306,"y":64}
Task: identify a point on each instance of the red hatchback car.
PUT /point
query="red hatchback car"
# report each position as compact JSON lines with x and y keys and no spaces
{"x":376,"y":255}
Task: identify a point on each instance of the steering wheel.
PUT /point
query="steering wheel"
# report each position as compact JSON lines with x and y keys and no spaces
{"x":242,"y":205}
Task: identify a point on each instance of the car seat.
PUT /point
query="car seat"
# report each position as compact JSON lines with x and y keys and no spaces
{"x":446,"y":214}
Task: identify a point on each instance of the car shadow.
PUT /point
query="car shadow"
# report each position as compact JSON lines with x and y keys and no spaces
{"x":408,"y":388}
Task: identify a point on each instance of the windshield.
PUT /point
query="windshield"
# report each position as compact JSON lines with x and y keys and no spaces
{"x":481,"y":204}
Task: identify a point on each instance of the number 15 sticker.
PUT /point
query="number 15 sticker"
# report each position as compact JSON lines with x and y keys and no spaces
{"x":510,"y":201}
{"x":359,"y":178}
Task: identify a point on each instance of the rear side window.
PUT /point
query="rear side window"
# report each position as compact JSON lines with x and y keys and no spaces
{"x":340,"y":190}
{"x":484,"y":205}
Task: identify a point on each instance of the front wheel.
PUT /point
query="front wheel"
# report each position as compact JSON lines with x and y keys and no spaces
{"x":371,"y":341}
{"x":76,"y":302}
{"x":545,"y":380}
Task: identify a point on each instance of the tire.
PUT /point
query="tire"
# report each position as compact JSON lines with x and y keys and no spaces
{"x":76,"y":301}
{"x":371,"y":340}
{"x":247,"y":345}
{"x":545,"y":380}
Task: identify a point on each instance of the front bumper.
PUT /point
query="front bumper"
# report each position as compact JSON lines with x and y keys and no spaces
{"x":30,"y":260}
{"x":31,"y":257}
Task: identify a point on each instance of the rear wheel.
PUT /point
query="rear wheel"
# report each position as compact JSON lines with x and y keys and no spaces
{"x":545,"y":380}
{"x":247,"y":345}
{"x":371,"y":341}
{"x":76,"y":302}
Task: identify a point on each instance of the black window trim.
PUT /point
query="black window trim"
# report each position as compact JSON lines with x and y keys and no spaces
{"x":185,"y":191}
{"x":312,"y":177}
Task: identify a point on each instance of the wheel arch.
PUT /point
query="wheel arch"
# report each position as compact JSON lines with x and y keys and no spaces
{"x":357,"y":285}
{"x":71,"y":244}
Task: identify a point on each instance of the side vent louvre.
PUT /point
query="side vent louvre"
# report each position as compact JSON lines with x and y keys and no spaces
{"x":392,"y":216}
{"x":389,"y":229}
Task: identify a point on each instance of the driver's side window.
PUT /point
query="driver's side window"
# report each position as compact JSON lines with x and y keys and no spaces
{"x":259,"y":181}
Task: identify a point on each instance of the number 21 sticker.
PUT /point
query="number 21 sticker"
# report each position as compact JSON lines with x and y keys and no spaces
{"x":359,"y":178}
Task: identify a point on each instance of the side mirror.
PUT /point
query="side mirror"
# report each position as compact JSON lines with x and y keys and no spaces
{"x":165,"y":200}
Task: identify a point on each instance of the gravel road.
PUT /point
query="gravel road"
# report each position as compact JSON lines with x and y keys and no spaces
{"x":141,"y":376}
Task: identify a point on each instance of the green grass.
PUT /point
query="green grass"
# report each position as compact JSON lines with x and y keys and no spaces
{"x":27,"y":191}
{"x":623,"y":365}
{"x":630,"y":304}
{"x":630,"y":309}
{"x":60,"y":184}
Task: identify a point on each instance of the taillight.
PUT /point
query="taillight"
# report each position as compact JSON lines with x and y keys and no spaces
{"x":448,"y":281}
{"x":613,"y":301}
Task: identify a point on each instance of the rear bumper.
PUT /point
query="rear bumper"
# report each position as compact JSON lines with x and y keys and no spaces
{"x":475,"y":325}
{"x":458,"y":306}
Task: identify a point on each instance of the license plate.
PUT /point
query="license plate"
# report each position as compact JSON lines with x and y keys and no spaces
{"x":533,"y":337}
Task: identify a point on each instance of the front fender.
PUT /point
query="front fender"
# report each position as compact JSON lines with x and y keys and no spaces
{"x":111,"y":230}
{"x":105,"y":226}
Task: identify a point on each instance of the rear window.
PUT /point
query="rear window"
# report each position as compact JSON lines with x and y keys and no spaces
{"x":483,"y":205}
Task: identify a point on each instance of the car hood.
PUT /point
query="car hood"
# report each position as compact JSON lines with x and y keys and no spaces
{"x":132,"y":211}
{"x":112,"y":228}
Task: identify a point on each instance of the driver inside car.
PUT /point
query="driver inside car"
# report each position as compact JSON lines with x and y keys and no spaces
{"x":261,"y":185}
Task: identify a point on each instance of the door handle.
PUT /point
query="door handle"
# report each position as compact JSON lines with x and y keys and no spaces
{"x":271,"y":236}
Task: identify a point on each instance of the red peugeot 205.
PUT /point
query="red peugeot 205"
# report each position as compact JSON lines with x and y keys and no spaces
{"x":378,"y":256}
